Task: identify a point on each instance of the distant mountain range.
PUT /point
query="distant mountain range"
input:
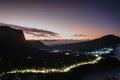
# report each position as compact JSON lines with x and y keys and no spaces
{"x":13,"y":41}
{"x":12,"y":36}
{"x":105,"y":41}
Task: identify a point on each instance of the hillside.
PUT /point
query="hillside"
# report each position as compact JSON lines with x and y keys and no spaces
{"x":38,"y":44}
{"x":105,"y":41}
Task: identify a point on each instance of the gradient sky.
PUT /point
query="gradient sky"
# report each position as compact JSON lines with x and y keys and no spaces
{"x":69,"y":19}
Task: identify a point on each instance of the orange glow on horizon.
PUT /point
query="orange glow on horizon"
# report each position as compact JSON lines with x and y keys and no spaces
{"x":32,"y":37}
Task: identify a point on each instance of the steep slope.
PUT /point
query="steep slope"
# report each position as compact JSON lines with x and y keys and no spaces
{"x":38,"y":44}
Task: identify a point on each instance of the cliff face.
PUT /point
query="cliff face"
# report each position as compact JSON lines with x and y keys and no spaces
{"x":10,"y":34}
{"x":14,"y":47}
{"x":12,"y":41}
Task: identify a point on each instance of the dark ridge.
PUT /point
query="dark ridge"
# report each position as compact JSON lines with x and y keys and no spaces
{"x":105,"y":41}
{"x":38,"y":44}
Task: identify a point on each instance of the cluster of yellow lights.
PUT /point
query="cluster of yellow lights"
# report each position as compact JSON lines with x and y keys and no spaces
{"x":53,"y":70}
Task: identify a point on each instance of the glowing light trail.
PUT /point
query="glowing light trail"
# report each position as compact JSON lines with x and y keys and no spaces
{"x":53,"y":70}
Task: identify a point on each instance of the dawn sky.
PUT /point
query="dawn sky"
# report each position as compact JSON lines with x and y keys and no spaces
{"x":63,"y":19}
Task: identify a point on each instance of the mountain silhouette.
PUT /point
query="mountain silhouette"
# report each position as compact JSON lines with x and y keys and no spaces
{"x":105,"y":41}
{"x":15,"y":48}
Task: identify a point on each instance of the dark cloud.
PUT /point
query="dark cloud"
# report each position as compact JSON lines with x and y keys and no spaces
{"x":80,"y":35}
{"x":41,"y":34}
{"x":34,"y":31}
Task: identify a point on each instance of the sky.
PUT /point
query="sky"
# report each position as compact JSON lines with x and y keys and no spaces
{"x":62,"y":19}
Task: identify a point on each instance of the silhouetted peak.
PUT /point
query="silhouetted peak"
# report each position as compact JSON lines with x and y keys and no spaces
{"x":110,"y":38}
